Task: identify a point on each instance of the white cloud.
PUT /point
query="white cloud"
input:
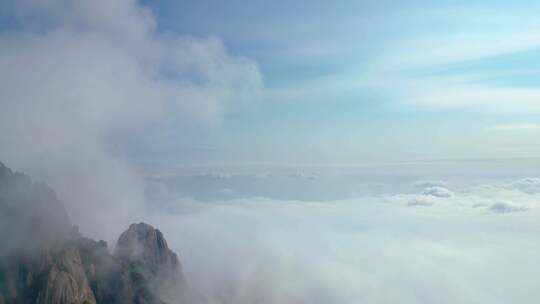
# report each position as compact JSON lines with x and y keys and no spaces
{"x":438,"y":192}
{"x":521,"y":195}
{"x":528,"y":185}
{"x":485,"y":98}
{"x":421,"y":200}
{"x":271,"y":246}
{"x":526,"y":127}
{"x":93,"y":66}
{"x":303,"y":175}
{"x":429,"y":183}
{"x":506,"y":207}
{"x":454,"y":67}
{"x":472,"y":31}
{"x":217,"y":175}
{"x":466,"y":45}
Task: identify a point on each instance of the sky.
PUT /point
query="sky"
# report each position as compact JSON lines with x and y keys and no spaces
{"x":362,"y":81}
{"x":320,"y":82}
{"x":355,"y":82}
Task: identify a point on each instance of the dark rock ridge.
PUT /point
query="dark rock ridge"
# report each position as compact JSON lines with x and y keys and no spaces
{"x":44,"y":259}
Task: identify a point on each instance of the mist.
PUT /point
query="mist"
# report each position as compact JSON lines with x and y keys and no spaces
{"x":475,"y":246}
{"x":72,"y":73}
{"x":88,"y":88}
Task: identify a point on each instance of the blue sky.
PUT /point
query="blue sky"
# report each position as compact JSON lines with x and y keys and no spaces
{"x":361,"y":81}
{"x":307,"y":82}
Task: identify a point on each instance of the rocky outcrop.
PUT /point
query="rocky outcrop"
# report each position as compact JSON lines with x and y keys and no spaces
{"x":111,"y":280}
{"x":143,"y":249}
{"x":66,"y":280}
{"x":31,"y":216}
{"x":44,"y":260}
{"x":35,"y":265}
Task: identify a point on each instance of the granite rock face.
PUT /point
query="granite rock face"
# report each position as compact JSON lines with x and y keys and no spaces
{"x":143,"y":249}
{"x":44,"y":260}
{"x":66,"y":280}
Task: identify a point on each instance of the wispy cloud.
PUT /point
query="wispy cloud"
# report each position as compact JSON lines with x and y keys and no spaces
{"x":491,"y":99}
{"x":455,"y":66}
{"x":523,"y":127}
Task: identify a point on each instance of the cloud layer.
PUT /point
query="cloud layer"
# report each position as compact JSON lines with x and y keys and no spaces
{"x":73,"y":71}
{"x":476,"y":246}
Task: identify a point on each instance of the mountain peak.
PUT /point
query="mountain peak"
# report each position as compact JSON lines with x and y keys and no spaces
{"x":144,"y":245}
{"x":43,"y":259}
{"x":145,"y":250}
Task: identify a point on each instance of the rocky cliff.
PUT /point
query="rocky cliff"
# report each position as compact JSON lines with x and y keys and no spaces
{"x":144,"y":249}
{"x":43,"y":258}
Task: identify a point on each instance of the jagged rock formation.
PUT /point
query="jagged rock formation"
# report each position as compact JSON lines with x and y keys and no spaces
{"x":44,"y":260}
{"x":31,"y":215}
{"x":65,"y":280}
{"x":144,"y":249}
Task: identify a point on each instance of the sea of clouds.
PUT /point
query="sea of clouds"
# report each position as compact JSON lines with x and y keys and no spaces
{"x":72,"y":72}
{"x":431,"y":241}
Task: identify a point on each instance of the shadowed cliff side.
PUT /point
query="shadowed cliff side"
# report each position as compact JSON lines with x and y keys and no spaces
{"x":44,"y":259}
{"x":143,"y":249}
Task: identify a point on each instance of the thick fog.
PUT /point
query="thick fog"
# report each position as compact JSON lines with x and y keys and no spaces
{"x":472,"y":242}
{"x":73,"y":72}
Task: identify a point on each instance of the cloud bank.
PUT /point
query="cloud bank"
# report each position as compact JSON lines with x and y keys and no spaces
{"x":477,"y":246}
{"x":70,"y":72}
{"x":528,"y":185}
{"x":438,"y":192}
